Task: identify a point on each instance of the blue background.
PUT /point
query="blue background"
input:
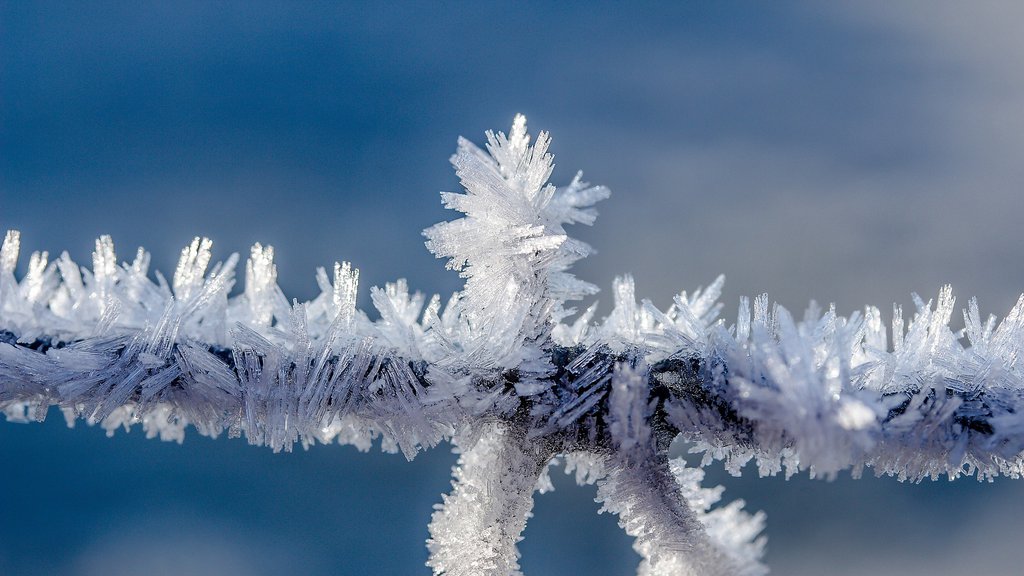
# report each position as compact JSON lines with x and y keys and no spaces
{"x":851,"y":153}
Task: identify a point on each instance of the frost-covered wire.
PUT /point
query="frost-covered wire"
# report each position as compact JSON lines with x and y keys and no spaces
{"x":504,"y":372}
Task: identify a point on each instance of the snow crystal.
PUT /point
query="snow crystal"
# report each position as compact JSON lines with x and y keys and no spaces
{"x":504,"y":372}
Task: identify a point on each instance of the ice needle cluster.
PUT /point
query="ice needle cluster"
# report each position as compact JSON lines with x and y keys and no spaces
{"x":503,"y":374}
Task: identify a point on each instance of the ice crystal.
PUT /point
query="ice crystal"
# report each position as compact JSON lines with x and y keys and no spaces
{"x":503,"y":374}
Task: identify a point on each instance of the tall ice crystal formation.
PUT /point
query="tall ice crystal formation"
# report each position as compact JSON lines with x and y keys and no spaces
{"x":501,"y":375}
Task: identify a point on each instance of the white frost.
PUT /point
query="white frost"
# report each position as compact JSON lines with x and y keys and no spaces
{"x":503,"y":372}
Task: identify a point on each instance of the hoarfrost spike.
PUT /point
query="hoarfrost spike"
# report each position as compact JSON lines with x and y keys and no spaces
{"x":497,"y":372}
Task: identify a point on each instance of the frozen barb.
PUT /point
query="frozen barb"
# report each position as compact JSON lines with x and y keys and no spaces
{"x":511,"y":247}
{"x":500,"y":372}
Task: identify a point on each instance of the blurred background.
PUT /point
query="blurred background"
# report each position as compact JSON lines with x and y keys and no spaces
{"x":850,"y":153}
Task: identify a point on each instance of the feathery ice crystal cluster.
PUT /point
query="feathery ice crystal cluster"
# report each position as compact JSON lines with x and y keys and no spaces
{"x":501,"y":375}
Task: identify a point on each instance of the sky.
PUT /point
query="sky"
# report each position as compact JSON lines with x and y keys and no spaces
{"x":845,"y":152}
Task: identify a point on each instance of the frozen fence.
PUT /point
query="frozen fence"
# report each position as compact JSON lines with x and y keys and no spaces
{"x":515,"y":378}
